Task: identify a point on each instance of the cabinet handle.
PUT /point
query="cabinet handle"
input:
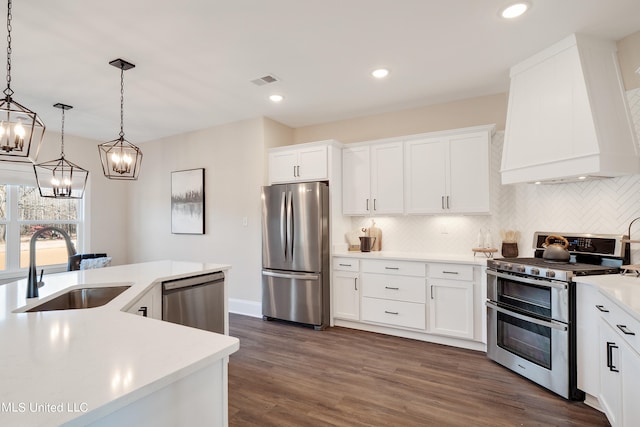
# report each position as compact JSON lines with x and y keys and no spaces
{"x":625,"y":330}
{"x":392,"y":268}
{"x":143,"y":310}
{"x":449,"y":272}
{"x":294,"y":171}
{"x":602,"y":309}
{"x":431,"y":291}
{"x":298,"y":171}
{"x":610,"y":365}
{"x":367,"y":204}
{"x":392,"y":288}
{"x":391,"y":312}
{"x":344,"y":265}
{"x":374,"y":204}
{"x":442,"y":202}
{"x":355,"y":283}
{"x":448,"y":207}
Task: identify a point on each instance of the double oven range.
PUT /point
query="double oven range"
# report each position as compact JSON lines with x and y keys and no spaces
{"x":531,"y":308}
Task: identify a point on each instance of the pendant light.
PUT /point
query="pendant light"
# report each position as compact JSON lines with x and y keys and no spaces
{"x":19,"y":126}
{"x":61,"y":178}
{"x":120,"y":158}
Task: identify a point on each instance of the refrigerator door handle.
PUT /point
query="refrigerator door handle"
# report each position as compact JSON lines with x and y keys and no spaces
{"x":283,"y":223}
{"x":290,"y":223}
{"x":301,"y":276}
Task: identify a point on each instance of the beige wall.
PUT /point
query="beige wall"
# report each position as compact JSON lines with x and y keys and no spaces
{"x":629,"y":58}
{"x":469,"y":112}
{"x":275,"y":135}
{"x":232,"y":156}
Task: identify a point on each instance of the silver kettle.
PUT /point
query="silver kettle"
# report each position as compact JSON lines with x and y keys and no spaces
{"x":557,"y":252}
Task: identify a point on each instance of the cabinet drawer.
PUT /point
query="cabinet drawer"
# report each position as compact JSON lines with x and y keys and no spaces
{"x":394,"y":313}
{"x":346,"y":264}
{"x":623,"y":323}
{"x":399,"y":288}
{"x":406,"y":268}
{"x":450,"y":271}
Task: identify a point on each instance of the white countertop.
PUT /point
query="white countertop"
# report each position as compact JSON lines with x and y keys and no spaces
{"x":479,"y":259}
{"x":624,"y":290}
{"x":72,"y":367}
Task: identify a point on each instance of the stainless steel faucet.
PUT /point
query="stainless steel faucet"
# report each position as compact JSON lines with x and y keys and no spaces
{"x":32,"y":283}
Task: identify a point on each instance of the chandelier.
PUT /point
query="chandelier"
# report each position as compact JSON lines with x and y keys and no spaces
{"x":61,"y":178}
{"x":120,"y":159}
{"x":19,"y":126}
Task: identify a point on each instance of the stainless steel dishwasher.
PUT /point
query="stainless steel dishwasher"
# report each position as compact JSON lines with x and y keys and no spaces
{"x":196,"y":301}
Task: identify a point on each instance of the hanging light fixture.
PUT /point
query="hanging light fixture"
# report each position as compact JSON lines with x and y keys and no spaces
{"x":120,"y":158}
{"x":61,"y":178}
{"x":19,"y":126}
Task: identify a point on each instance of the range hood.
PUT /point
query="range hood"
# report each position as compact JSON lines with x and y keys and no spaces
{"x":568,"y":117}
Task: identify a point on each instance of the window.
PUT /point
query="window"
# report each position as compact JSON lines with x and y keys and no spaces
{"x":22,"y":213}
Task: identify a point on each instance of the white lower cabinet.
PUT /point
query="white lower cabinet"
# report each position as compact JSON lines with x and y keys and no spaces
{"x":346,"y":289}
{"x":451,"y":308}
{"x":437,"y":302}
{"x":619,"y":368}
{"x":149,"y":304}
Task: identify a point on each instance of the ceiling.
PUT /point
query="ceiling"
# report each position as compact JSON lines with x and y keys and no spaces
{"x":195,"y":59}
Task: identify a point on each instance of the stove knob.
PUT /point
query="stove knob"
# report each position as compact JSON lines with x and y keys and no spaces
{"x":535,"y":271}
{"x":551,"y":273}
{"x":508,"y":266}
{"x":519,"y":268}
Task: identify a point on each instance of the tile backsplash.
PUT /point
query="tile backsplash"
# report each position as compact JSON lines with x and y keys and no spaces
{"x":597,"y":206}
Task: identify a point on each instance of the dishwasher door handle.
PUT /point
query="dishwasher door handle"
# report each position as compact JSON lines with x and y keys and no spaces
{"x":193,"y":281}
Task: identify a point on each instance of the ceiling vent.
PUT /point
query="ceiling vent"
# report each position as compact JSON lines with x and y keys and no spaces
{"x":264,"y":80}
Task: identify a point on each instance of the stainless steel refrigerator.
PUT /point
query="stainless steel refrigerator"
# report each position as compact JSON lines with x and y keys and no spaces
{"x":295,"y":253}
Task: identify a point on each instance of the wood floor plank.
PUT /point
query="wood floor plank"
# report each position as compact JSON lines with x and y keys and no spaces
{"x":290,"y":375}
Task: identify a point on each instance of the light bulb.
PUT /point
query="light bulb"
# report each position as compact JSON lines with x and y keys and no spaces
{"x":127,"y":159}
{"x":66,"y":181}
{"x":115,"y":158}
{"x":19,"y":130}
{"x":55,"y":182}
{"x":2,"y":129}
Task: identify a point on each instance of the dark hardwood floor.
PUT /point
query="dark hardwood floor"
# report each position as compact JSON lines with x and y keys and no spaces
{"x":289,"y":375}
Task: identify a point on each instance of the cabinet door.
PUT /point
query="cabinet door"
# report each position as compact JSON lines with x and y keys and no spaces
{"x":149,"y":304}
{"x":630,"y":383}
{"x":282,"y":166}
{"x":346,"y":295}
{"x":355,"y":181}
{"x":312,"y":164}
{"x":451,"y":308}
{"x":587,"y":325}
{"x":469,"y":173}
{"x":425,"y":163}
{"x":610,"y":373}
{"x":387,"y":178}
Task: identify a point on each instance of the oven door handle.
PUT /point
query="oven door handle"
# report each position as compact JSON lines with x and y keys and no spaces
{"x":544,"y":283}
{"x":549,"y":324}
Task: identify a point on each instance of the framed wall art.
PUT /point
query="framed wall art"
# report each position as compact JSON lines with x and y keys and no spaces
{"x":187,"y":201}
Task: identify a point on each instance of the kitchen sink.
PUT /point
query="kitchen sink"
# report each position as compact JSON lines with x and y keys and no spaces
{"x":81,"y":298}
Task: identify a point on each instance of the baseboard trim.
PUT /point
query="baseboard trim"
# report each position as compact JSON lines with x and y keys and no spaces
{"x":245,"y":307}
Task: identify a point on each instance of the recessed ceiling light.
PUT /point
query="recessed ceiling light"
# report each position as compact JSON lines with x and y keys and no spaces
{"x":514,"y":10}
{"x":276,"y":98}
{"x":380,"y":73}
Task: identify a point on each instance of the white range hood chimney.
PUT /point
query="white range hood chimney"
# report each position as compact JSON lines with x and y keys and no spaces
{"x":568,"y":116}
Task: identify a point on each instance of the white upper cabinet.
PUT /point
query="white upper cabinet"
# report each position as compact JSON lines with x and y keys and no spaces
{"x":298,"y":164}
{"x":372,"y":179}
{"x":448,"y":173}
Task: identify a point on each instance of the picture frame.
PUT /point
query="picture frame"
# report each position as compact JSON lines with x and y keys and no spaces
{"x":187,"y":201}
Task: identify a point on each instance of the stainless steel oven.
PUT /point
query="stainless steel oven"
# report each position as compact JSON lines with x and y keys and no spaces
{"x":531,"y":308}
{"x":529,"y":330}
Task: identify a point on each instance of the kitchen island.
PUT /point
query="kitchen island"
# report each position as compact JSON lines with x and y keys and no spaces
{"x":103,"y":366}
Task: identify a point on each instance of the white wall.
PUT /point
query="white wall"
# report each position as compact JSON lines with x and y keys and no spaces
{"x":232,"y":156}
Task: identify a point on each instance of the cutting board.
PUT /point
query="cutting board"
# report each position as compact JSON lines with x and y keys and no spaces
{"x":377,"y":233}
